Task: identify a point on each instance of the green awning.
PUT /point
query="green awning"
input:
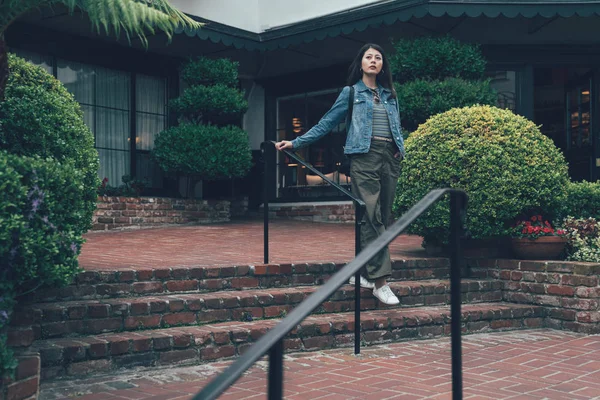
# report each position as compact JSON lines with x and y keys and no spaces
{"x":374,"y":15}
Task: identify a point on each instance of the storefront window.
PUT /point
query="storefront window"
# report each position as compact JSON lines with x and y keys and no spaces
{"x":104,"y":96}
{"x":505,"y":84}
{"x":295,"y":116}
{"x":151,"y":119}
{"x":105,"y":99}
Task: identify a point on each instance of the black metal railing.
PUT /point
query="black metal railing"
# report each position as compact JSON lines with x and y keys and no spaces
{"x":272,"y":341}
{"x":359,"y":211}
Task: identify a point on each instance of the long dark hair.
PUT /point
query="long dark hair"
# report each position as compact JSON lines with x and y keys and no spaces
{"x":384,"y":78}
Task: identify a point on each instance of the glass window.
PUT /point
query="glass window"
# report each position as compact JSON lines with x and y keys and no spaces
{"x":104,"y":95}
{"x":295,"y":116}
{"x":35,"y":58}
{"x":505,"y":84}
{"x":151,"y":119}
{"x":105,"y":98}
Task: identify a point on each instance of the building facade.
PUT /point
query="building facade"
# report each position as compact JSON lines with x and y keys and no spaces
{"x":543,"y":59}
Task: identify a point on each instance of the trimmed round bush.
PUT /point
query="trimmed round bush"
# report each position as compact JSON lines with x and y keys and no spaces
{"x":208,"y":71}
{"x":502,"y":160}
{"x":218,"y":104}
{"x":208,"y":151}
{"x":40,"y":117}
{"x":420,"y":99}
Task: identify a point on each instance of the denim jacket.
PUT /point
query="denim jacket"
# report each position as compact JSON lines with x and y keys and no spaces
{"x":361,"y":127}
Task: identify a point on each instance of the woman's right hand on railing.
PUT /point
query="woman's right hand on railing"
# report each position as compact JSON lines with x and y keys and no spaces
{"x":284,"y":144}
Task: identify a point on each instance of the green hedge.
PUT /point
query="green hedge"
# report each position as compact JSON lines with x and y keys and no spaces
{"x":583,"y":200}
{"x":502,"y":160}
{"x":218,"y":104}
{"x":438,"y":58}
{"x":419,"y":99}
{"x":205,"y":150}
{"x":40,"y":117}
{"x":207,"y":71}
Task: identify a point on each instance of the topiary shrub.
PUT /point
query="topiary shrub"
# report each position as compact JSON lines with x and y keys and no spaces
{"x":419,"y":99}
{"x":207,"y":144}
{"x":583,"y":200}
{"x":206,"y":71}
{"x":502,"y":160}
{"x":436,"y":58}
{"x":204,"y":150}
{"x":433,"y":75}
{"x":216,"y":104}
{"x":40,"y":117}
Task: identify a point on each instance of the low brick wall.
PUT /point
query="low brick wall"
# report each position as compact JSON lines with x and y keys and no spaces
{"x":339,"y":211}
{"x":26,"y":383}
{"x":139,"y":212}
{"x":569,"y":291}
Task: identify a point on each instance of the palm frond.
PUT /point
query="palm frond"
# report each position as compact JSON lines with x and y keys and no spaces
{"x":134,"y":17}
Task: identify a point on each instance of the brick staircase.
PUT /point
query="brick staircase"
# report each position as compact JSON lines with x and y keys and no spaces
{"x":125,"y":318}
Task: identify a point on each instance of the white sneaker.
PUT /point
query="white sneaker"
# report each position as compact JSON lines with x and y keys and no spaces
{"x":363,"y":283}
{"x":386,"y":296}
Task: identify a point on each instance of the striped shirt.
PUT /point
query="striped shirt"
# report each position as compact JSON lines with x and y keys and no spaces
{"x":381,"y":123}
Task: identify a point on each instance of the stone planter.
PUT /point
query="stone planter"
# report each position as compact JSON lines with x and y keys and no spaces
{"x":542,"y":248}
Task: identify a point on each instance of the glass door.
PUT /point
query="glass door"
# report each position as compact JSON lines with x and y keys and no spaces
{"x":579,"y":132}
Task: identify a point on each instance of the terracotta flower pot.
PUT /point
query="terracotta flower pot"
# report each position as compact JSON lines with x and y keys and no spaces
{"x":542,"y":248}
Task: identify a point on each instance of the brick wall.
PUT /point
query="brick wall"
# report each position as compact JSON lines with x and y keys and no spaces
{"x":123,"y":212}
{"x":570,"y":291}
{"x":25,"y":385}
{"x":322,"y":211}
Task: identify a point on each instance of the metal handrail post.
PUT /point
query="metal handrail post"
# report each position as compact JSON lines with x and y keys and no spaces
{"x":358,"y":213}
{"x":265,"y":203}
{"x":276,"y":371}
{"x":456,"y":206}
{"x":277,"y":334}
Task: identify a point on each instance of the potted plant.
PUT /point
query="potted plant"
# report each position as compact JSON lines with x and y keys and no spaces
{"x":536,"y":238}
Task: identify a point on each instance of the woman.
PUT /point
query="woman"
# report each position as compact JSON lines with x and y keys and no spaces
{"x":375,"y":147}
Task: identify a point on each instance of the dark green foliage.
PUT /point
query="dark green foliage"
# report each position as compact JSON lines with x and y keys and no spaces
{"x":217,"y":104}
{"x":583,"y":200}
{"x":204,"y":150}
{"x":207,"y":71}
{"x":48,"y":182}
{"x":434,"y":75}
{"x":503,"y":162}
{"x":40,"y":234}
{"x":42,"y":118}
{"x":204,"y":145}
{"x":40,"y":214}
{"x":419,"y":99}
{"x":436,"y":59}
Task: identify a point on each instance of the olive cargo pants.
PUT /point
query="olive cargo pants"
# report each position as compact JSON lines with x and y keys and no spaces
{"x":374,"y":178}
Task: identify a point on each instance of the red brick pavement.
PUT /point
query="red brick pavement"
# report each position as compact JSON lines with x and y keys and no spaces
{"x":236,"y":242}
{"x":533,"y":364}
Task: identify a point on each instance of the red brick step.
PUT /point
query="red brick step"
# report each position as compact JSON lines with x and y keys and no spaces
{"x":64,"y":319}
{"x":194,"y":344}
{"x":141,"y":282}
